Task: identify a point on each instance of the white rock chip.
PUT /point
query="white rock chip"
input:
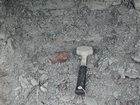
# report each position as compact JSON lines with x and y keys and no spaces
{"x":121,"y":72}
{"x":34,"y":82}
{"x":43,"y":89}
{"x":90,"y":101}
{"x":45,"y":84}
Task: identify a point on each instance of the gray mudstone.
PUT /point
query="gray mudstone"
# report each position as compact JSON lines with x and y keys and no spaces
{"x":121,"y":72}
{"x":6,"y":51}
{"x":5,"y":87}
{"x":137,"y":4}
{"x":132,"y":73}
{"x":90,"y":101}
{"x":117,"y":94}
{"x":100,"y":5}
{"x":66,"y":98}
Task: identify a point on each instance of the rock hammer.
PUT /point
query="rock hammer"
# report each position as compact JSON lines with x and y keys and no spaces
{"x":84,"y":51}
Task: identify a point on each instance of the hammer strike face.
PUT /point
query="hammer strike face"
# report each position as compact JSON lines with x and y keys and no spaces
{"x":84,"y":51}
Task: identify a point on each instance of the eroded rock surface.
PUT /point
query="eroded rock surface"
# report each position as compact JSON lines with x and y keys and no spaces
{"x":31,"y":31}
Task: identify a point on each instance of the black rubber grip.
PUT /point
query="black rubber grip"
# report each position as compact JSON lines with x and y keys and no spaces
{"x":81,"y":81}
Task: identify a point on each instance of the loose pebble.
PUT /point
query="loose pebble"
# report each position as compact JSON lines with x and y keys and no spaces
{"x":59,"y":57}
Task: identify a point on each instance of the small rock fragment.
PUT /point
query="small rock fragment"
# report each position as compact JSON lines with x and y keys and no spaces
{"x":45,"y":84}
{"x":118,"y":102}
{"x":43,"y":89}
{"x":43,"y":78}
{"x":95,"y":63}
{"x":61,"y":41}
{"x":121,"y":72}
{"x":117,"y":94}
{"x":130,"y":102}
{"x":79,"y":100}
{"x":119,"y":81}
{"x":105,"y":64}
{"x":22,"y":104}
{"x":100,"y":5}
{"x":5,"y":87}
{"x":2,"y":102}
{"x":136,"y":58}
{"x":65,"y":98}
{"x":116,"y":76}
{"x":137,"y":4}
{"x":34,"y":82}
{"x":63,"y":85}
{"x":41,"y":68}
{"x":90,"y":101}
{"x":24,"y":82}
{"x":132,"y":73}
{"x":59,"y":57}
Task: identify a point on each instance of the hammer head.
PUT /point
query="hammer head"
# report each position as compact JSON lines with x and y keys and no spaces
{"x":84,"y":51}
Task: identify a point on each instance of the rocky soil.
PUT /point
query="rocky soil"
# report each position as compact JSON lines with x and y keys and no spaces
{"x":33,"y":32}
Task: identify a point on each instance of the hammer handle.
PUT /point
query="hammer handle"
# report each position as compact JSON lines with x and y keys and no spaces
{"x":81,"y":81}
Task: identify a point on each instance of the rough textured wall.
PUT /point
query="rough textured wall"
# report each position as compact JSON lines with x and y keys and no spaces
{"x":32,"y":32}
